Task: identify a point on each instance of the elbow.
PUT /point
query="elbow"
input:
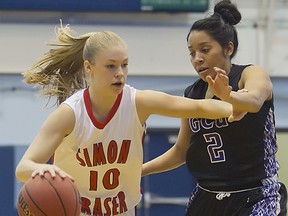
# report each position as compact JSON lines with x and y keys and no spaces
{"x":255,"y":103}
{"x":255,"y":107}
{"x":20,"y":174}
{"x":251,"y":110}
{"x":257,"y":100}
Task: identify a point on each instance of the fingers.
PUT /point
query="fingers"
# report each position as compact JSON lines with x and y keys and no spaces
{"x":63,"y":174}
{"x":219,"y":70}
{"x":42,"y":169}
{"x":231,"y":118}
{"x":34,"y":173}
{"x":236,"y":116}
{"x":242,"y":90}
{"x":221,"y":75}
{"x":224,"y":80}
{"x":52,"y":169}
{"x":209,"y":80}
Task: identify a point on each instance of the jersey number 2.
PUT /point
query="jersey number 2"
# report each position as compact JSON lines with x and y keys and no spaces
{"x":214,"y":147}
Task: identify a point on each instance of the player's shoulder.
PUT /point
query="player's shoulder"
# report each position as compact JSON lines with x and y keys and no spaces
{"x":241,"y":67}
{"x":254,"y":70}
{"x":74,"y":98}
{"x":64,"y":111}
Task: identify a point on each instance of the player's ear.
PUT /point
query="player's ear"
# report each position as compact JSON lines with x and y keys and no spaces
{"x":87,"y":66}
{"x":230,"y":49}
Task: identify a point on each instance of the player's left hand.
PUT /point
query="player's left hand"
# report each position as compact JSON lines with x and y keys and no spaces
{"x":220,"y":84}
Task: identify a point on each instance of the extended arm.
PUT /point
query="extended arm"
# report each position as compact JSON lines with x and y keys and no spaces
{"x":172,"y":158}
{"x":152,"y":102}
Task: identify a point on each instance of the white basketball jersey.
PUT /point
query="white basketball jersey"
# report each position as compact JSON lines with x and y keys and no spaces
{"x":105,"y":159}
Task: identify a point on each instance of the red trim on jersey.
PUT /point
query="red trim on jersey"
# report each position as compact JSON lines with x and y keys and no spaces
{"x":112,"y":112}
{"x":52,"y":158}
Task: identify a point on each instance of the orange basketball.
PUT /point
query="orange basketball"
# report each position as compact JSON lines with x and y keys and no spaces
{"x":49,"y":196}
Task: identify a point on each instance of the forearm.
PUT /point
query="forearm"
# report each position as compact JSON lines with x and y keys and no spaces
{"x":214,"y":109}
{"x":245,"y":101}
{"x":171,"y":159}
{"x":25,"y":169}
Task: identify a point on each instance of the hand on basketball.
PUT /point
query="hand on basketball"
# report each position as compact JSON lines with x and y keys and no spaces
{"x":220,"y":84}
{"x":45,"y":195}
{"x":52,"y":169}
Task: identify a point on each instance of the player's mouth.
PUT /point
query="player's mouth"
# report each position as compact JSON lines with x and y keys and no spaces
{"x":202,"y":70}
{"x":118,"y":84}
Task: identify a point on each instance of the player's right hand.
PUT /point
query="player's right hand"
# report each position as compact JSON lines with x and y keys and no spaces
{"x":52,"y":169}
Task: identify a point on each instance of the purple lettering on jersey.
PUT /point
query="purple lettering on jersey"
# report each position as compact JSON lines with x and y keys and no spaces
{"x":196,"y":124}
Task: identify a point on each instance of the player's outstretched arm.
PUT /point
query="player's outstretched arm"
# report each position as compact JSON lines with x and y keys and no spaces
{"x":150,"y":102}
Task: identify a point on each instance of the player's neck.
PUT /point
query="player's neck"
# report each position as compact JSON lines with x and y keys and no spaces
{"x":209,"y":94}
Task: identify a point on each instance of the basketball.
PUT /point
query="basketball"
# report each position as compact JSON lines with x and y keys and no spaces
{"x":49,"y":196}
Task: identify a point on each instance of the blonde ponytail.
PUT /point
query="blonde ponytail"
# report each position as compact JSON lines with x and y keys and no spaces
{"x":60,"y":72}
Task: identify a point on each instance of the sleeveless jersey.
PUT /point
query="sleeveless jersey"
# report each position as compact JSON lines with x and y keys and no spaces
{"x":104,"y":159}
{"x":227,"y":156}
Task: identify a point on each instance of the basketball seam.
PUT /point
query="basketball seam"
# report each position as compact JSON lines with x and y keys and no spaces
{"x":57,"y":195}
{"x":26,"y":190}
{"x":76,"y":194}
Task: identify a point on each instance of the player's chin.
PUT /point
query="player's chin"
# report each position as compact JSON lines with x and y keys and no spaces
{"x":203,"y":76}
